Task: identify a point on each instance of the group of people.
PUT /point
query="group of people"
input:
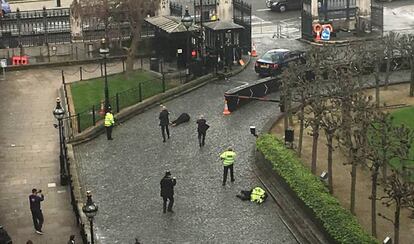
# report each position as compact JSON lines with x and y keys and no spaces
{"x":164,"y":118}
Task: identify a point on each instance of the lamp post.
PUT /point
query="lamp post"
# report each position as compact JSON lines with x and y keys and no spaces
{"x":104,"y":51}
{"x":90,"y":209}
{"x":59,"y":113}
{"x":187,"y":21}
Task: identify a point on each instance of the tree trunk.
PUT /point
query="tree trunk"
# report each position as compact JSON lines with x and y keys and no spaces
{"x":397,"y":223}
{"x":387,"y":70}
{"x":374,"y":201}
{"x":132,"y":50}
{"x":377,"y":85}
{"x":353,"y":185}
{"x":315,"y":132}
{"x":384,"y":155}
{"x":301,"y":129}
{"x":329,"y":137}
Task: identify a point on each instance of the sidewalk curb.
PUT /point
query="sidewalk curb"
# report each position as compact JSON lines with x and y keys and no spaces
{"x":148,"y":103}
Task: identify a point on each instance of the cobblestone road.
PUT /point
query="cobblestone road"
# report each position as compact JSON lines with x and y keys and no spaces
{"x":124,"y":175}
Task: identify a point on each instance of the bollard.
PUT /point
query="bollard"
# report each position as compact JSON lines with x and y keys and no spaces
{"x":93,"y":115}
{"x":117,"y":102}
{"x":78,"y":122}
{"x":141,"y":62}
{"x":101,"y":70}
{"x":80,"y":73}
{"x":140,"y":92}
{"x":163,"y":82}
{"x":63,"y":77}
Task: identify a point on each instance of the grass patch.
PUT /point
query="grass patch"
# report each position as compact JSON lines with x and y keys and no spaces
{"x":404,"y":116}
{"x":89,"y":93}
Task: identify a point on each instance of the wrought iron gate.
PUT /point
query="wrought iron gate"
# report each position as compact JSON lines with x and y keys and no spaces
{"x":377,"y":17}
{"x":242,"y":15}
{"x":306,"y":20}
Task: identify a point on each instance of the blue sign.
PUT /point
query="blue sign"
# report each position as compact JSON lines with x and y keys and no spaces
{"x":326,"y":34}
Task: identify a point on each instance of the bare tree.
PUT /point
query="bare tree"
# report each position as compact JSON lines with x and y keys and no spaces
{"x":121,"y":12}
{"x":381,"y":141}
{"x":400,"y":193}
{"x":390,"y":42}
{"x":406,"y":47}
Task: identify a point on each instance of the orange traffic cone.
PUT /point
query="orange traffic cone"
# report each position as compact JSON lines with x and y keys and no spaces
{"x":254,"y":53}
{"x":226,"y":108}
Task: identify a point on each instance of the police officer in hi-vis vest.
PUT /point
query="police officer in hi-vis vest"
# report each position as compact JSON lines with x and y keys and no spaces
{"x":228,"y":161}
{"x":109,"y":123}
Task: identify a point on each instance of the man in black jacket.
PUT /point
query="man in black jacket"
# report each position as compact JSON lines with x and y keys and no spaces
{"x":202,"y":127}
{"x":164,"y":122}
{"x":35,"y":198}
{"x":167,"y":191}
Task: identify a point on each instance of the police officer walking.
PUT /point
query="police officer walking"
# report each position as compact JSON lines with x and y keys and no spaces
{"x":164,"y":122}
{"x":109,"y":123}
{"x":35,"y":198}
{"x":167,"y":191}
{"x":228,"y":157}
{"x":202,"y":128}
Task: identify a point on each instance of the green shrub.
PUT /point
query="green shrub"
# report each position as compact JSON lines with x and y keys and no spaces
{"x":341,"y":225}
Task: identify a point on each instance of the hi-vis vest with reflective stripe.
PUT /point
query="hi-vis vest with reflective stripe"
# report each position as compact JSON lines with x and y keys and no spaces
{"x":109,"y":119}
{"x":257,"y":195}
{"x":228,"y":157}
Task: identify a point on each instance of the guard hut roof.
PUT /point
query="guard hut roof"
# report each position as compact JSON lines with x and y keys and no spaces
{"x":222,"y":25}
{"x":169,"y":24}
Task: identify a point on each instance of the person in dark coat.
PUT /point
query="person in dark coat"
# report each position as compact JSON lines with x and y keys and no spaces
{"x":183,"y":118}
{"x":35,"y":198}
{"x":202,"y":128}
{"x":167,"y":191}
{"x":164,"y":122}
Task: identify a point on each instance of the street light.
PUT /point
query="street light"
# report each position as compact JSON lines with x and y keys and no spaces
{"x":59,"y":113}
{"x":104,"y":51}
{"x":187,"y":21}
{"x":90,"y":209}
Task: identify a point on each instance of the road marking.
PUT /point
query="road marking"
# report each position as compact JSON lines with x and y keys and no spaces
{"x":263,"y":10}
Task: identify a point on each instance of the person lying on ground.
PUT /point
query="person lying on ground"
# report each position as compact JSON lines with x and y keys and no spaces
{"x":184,"y":117}
{"x":256,"y":194}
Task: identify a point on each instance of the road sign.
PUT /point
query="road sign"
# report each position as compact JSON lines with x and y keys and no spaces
{"x":326,"y":34}
{"x":3,"y":63}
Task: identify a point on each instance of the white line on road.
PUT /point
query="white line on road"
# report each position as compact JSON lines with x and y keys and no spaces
{"x":263,"y":10}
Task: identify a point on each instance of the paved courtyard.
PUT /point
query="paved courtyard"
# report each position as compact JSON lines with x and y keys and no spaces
{"x":124,"y":175}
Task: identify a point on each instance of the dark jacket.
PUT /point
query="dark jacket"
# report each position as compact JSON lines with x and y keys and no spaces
{"x":164,"y":117}
{"x":202,"y":125}
{"x":184,"y":117}
{"x":167,"y":186}
{"x":35,"y":201}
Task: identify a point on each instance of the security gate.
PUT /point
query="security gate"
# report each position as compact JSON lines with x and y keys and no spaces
{"x":377,"y":17}
{"x":306,"y":20}
{"x":242,"y":15}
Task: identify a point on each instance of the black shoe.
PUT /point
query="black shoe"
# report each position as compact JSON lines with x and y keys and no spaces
{"x":168,"y":136}
{"x":163,"y":141}
{"x":170,"y":210}
{"x":200,"y":144}
{"x":224,"y":184}
{"x":164,"y":211}
{"x":110,"y":139}
{"x":232,"y":180}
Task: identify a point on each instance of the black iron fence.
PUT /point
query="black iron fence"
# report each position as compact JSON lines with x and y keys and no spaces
{"x":242,"y":15}
{"x":31,"y":28}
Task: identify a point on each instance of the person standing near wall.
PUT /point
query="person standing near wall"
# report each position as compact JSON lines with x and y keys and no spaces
{"x":109,"y":123}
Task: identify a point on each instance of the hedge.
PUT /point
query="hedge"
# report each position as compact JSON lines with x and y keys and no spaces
{"x":339,"y":223}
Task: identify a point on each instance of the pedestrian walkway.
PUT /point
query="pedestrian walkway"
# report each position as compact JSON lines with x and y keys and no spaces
{"x":29,"y":155}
